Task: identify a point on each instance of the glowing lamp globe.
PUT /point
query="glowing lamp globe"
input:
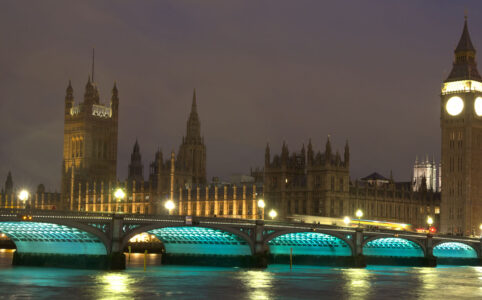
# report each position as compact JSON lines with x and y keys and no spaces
{"x":261,"y":203}
{"x":454,"y":106}
{"x":429,"y":221}
{"x":359,"y":214}
{"x":23,"y":195}
{"x":346,"y":220}
{"x":273,"y":214}
{"x":119,"y":194}
{"x":169,"y":205}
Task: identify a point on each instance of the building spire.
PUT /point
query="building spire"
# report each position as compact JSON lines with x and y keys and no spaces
{"x":465,"y":43}
{"x":194,"y":104}
{"x":464,"y":66}
{"x":193,"y":134}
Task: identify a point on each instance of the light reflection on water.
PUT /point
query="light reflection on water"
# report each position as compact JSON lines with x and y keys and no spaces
{"x":357,"y":282}
{"x":276,"y":282}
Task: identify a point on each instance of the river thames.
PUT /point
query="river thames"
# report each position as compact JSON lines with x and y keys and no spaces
{"x":275,"y":282}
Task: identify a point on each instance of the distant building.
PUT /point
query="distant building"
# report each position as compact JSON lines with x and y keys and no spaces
{"x":428,"y":173}
{"x":239,"y":179}
{"x":375,"y":179}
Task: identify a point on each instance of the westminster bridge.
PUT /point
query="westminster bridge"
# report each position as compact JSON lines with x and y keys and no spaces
{"x":98,"y":240}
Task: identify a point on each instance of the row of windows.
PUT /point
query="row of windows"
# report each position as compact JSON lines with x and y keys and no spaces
{"x":456,"y":163}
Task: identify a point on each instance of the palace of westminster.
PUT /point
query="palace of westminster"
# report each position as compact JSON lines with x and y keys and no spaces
{"x":304,"y":182}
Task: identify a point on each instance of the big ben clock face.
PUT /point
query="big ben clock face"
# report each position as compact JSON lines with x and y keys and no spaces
{"x":478,"y":106}
{"x":455,"y":105}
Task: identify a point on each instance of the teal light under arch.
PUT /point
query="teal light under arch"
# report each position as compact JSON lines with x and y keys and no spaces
{"x":309,"y":243}
{"x":395,"y":247}
{"x":454,"y":250}
{"x":200,"y":240}
{"x":46,"y":238}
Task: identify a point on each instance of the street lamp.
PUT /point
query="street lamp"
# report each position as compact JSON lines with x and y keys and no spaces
{"x":273,"y":214}
{"x":347,"y":221}
{"x":119,"y":194}
{"x":261,"y":206}
{"x":429,"y":221}
{"x":359,"y":214}
{"x":169,"y":205}
{"x":23,"y":196}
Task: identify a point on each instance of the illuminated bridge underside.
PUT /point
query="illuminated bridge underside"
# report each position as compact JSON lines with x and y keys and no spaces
{"x":394,"y":247}
{"x":32,"y":237}
{"x":309,"y":243}
{"x":454,"y":250}
{"x":200,"y":240}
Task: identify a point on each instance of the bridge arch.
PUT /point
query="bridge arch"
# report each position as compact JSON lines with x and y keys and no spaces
{"x":393,"y":247}
{"x":454,"y":249}
{"x":198,"y":239}
{"x":62,"y":237}
{"x":306,"y":242}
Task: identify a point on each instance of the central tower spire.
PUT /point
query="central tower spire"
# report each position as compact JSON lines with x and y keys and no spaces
{"x":193,"y":133}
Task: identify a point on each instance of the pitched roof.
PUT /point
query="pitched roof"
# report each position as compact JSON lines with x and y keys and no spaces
{"x":374,"y":176}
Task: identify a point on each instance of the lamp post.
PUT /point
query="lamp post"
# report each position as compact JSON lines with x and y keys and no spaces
{"x":23,"y":196}
{"x":261,"y":206}
{"x":119,"y":194}
{"x":359,"y":214}
{"x":169,"y":206}
{"x":429,"y":222}
{"x":273,"y":214}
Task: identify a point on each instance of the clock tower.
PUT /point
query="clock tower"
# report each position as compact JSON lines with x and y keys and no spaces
{"x":461,"y":124}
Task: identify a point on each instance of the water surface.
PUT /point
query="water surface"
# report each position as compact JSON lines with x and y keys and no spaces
{"x":276,"y":282}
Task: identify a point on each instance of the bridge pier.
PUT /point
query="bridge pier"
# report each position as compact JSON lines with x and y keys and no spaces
{"x":116,"y":259}
{"x":429,"y":260}
{"x":358,"y":257}
{"x":260,"y":255}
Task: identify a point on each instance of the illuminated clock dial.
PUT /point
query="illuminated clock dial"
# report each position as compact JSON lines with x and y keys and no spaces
{"x":478,"y":106}
{"x":455,"y":105}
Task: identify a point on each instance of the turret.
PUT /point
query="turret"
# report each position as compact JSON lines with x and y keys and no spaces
{"x":9,"y":184}
{"x":136,"y":167}
{"x":69,"y":99}
{"x":310,"y":153}
{"x":89,"y":93}
{"x":347,"y":154}
{"x":284,"y":153}
{"x":114,"y":101}
{"x":267,"y":157}
{"x":328,"y":151}
{"x":303,"y":154}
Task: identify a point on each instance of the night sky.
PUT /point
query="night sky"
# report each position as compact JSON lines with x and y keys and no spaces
{"x":264,"y":71}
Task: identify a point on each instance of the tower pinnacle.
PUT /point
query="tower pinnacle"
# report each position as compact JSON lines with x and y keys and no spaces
{"x":464,"y":66}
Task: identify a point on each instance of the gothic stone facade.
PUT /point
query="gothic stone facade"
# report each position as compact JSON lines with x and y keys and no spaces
{"x":319,"y":184}
{"x":461,"y":124}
